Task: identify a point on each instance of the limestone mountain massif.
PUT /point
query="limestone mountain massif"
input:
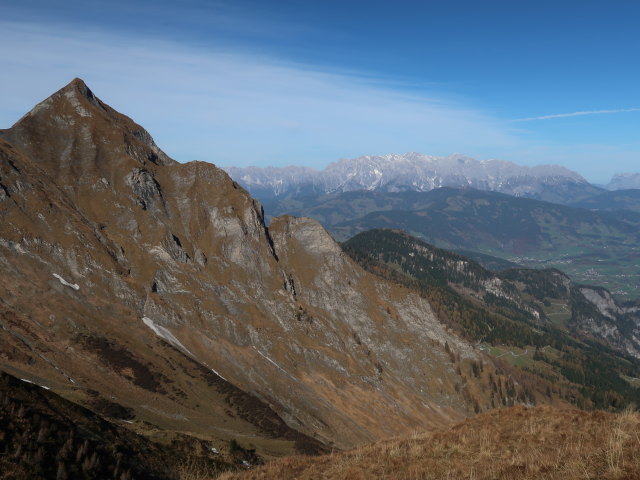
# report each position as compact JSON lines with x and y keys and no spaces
{"x":415,"y":172}
{"x":155,"y":286}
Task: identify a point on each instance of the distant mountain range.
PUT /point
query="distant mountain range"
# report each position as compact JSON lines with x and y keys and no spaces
{"x":421,"y":173}
{"x":628,"y":199}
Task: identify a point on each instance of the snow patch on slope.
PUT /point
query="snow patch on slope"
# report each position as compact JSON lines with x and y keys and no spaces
{"x":75,"y":286}
{"x":165,"y":334}
{"x":274,"y":364}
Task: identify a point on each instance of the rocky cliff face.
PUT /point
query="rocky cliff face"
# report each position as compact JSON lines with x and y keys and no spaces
{"x":158,"y":286}
{"x":601,"y":316}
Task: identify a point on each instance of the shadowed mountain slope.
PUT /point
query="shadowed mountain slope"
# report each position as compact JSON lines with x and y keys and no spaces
{"x":43,"y":436}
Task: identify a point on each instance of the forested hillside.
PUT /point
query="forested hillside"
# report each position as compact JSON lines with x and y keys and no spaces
{"x":536,"y":321}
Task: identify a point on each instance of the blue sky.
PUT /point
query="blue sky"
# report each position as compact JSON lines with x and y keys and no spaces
{"x":309,"y":82}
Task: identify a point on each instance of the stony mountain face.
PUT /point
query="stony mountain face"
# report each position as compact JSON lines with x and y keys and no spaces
{"x":416,"y":172}
{"x":129,"y":277}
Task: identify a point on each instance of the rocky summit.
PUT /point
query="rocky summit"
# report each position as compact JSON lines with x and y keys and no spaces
{"x":154,"y":288}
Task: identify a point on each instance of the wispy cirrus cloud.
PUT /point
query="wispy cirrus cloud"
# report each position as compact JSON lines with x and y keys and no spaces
{"x":577,"y":114}
{"x":235,"y":107}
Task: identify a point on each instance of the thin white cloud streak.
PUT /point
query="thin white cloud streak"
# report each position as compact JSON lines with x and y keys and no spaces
{"x":577,"y":114}
{"x":235,"y":108}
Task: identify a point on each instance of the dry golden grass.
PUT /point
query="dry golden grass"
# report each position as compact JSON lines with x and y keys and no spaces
{"x":515,"y":443}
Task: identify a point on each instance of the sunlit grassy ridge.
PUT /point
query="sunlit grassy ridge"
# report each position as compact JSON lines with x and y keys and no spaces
{"x":514,"y":443}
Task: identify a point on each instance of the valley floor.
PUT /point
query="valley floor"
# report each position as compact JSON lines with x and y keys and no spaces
{"x":519,"y":442}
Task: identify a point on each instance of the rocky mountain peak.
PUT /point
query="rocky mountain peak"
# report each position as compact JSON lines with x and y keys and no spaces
{"x":73,"y":100}
{"x":77,"y":87}
{"x":73,"y":130}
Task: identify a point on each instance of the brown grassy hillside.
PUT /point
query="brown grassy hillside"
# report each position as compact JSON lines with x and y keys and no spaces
{"x":519,"y":442}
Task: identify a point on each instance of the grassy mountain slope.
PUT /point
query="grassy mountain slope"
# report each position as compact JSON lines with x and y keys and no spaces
{"x":74,"y":294}
{"x":516,"y":443}
{"x":132,"y":279}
